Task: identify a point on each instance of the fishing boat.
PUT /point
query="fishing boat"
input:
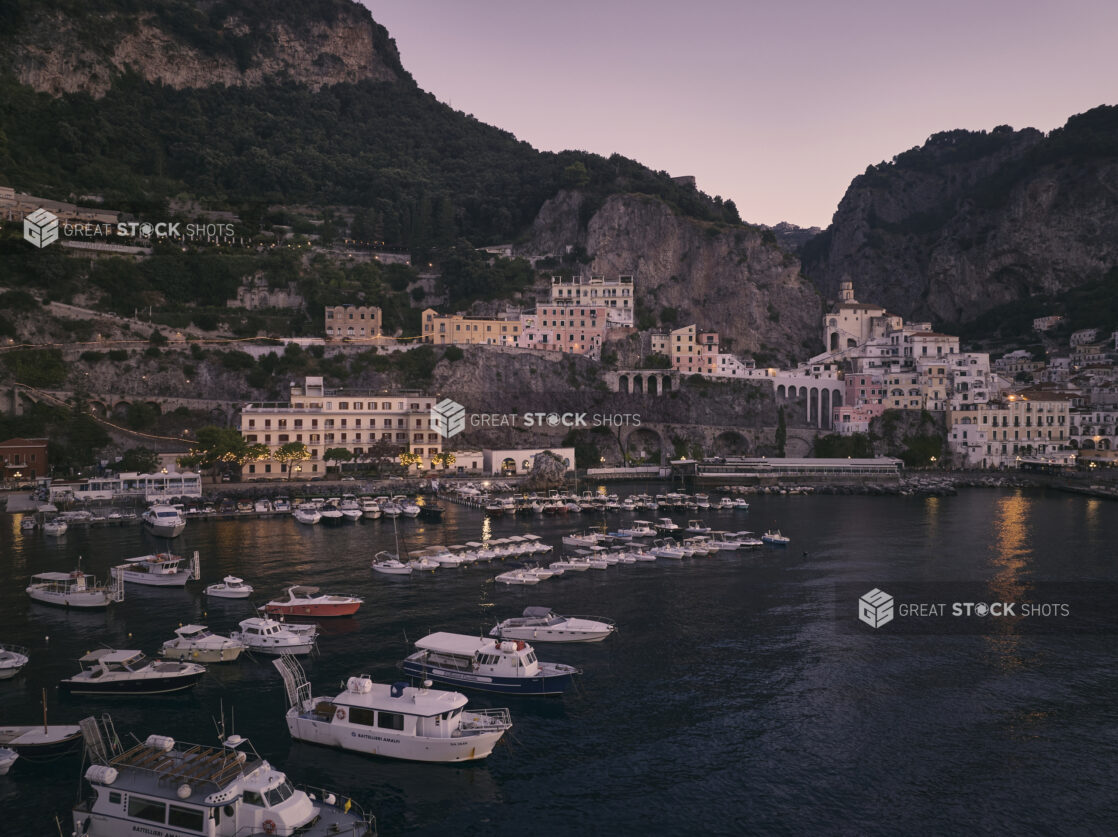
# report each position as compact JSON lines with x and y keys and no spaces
{"x":200,"y":645}
{"x":773,"y":537}
{"x":230,"y":587}
{"x":12,"y":659}
{"x":76,"y":589}
{"x":159,"y":570}
{"x":164,"y":521}
{"x":395,"y":721}
{"x":310,"y":601}
{"x":268,"y":636}
{"x":161,"y":787}
{"x":128,"y":672}
{"x":542,"y":624}
{"x":487,"y":665}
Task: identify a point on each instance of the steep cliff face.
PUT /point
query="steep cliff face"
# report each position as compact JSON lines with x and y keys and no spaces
{"x":60,"y":50}
{"x":733,"y":279}
{"x":974,"y":220}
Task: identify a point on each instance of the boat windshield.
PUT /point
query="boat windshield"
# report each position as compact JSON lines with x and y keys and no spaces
{"x":279,"y":793}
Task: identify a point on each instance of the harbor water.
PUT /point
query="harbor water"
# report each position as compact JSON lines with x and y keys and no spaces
{"x":730,"y":701}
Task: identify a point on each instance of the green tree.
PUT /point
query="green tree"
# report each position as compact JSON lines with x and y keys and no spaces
{"x":337,"y":455}
{"x":290,"y":455}
{"x":139,"y":460}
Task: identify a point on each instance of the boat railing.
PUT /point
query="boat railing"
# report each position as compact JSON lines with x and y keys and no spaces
{"x":367,"y":824}
{"x":482,"y":720}
{"x":14,"y":649}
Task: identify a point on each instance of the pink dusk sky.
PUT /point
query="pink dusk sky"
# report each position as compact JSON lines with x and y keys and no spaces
{"x":777,"y":105}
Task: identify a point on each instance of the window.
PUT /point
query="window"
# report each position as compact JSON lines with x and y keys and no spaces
{"x":252,"y":798}
{"x":364,"y":717}
{"x":279,"y":793}
{"x":114,"y":797}
{"x":145,"y":809}
{"x":186,"y":818}
{"x":390,"y":720}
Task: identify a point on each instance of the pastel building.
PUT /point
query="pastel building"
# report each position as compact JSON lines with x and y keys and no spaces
{"x":564,"y":328}
{"x":996,"y":434}
{"x":458,"y":329}
{"x":615,"y":295}
{"x":353,"y":322}
{"x":365,"y":423}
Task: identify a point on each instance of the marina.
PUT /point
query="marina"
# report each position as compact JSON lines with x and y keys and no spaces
{"x":731,"y":659}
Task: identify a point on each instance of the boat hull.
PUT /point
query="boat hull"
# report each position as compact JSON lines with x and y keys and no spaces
{"x":373,"y":741}
{"x":277,"y":649}
{"x":315,"y":610}
{"x":32,"y":743}
{"x":203,"y":655}
{"x":85,"y":601}
{"x":554,"y":684}
{"x":176,"y":579}
{"x":228,"y":594}
{"x":165,"y":531}
{"x":535,"y":635}
{"x":132,"y":686}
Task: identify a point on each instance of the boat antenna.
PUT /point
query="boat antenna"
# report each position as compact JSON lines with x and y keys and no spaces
{"x":44,"y":712}
{"x":220,"y":725}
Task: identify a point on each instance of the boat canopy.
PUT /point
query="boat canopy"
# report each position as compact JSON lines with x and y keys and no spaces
{"x":304,"y":591}
{"x":537,"y":612}
{"x":57,"y":576}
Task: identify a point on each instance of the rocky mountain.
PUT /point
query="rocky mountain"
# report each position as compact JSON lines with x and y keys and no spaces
{"x":84,"y":47}
{"x":734,"y":279}
{"x":974,"y":220}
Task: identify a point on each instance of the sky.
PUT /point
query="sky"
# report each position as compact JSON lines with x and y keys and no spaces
{"x":778,"y":104}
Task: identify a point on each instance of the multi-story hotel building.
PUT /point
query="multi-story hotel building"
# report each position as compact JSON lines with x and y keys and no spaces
{"x":997,"y":433}
{"x":361,"y":422}
{"x":564,"y":328}
{"x":445,"y":329}
{"x":615,"y":295}
{"x":353,"y":322}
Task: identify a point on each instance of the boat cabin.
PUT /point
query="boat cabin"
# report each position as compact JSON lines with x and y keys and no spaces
{"x":478,"y":655}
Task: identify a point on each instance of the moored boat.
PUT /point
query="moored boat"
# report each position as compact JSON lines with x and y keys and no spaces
{"x":12,"y":659}
{"x":7,"y":759}
{"x":542,"y":624}
{"x":129,"y":672}
{"x":271,"y":637}
{"x":159,"y":570}
{"x":488,"y":665}
{"x":388,"y":564}
{"x":164,"y":521}
{"x":303,"y":600}
{"x":160,"y":787}
{"x":395,"y":721}
{"x":200,"y":645}
{"x":56,"y":527}
{"x":75,"y":589}
{"x":230,"y":587}
{"x":773,"y":537}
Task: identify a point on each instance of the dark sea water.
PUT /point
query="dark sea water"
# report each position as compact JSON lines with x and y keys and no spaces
{"x":728,"y":702}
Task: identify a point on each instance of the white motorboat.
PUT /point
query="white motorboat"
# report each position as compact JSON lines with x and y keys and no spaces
{"x":720,"y":542}
{"x":520,"y":576}
{"x":424,"y":563}
{"x":199,"y":645}
{"x":417,"y":724}
{"x":584,"y":539}
{"x":164,"y":521}
{"x":303,"y":600}
{"x":28,"y":524}
{"x":542,"y":573}
{"x":699,"y":545}
{"x":56,"y":527}
{"x":230,"y":587}
{"x":307,"y":514}
{"x":161,"y":787}
{"x":271,"y":637}
{"x":350,"y":508}
{"x":390,"y":509}
{"x":262,"y":505}
{"x":370,"y":508}
{"x":108,"y":671}
{"x":407,"y":507}
{"x":281,"y":504}
{"x":76,"y":589}
{"x":7,"y":759}
{"x":696,"y":527}
{"x":389,"y":564}
{"x":740,"y":503}
{"x":666,"y":525}
{"x":639,"y":552}
{"x":12,"y":659}
{"x":489,"y":665}
{"x":331,"y":514}
{"x":725,"y":504}
{"x":569,"y":564}
{"x":159,"y":570}
{"x":639,"y":529}
{"x":745,"y":540}
{"x":667,"y":548}
{"x":773,"y":537}
{"x":542,"y":624}
{"x":41,"y":742}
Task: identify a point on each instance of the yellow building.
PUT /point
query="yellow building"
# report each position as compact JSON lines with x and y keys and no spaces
{"x":361,"y":422}
{"x":446,"y":329}
{"x":1022,"y":424}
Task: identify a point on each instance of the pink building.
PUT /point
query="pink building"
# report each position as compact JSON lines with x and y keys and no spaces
{"x":577,"y":329}
{"x":863,"y":388}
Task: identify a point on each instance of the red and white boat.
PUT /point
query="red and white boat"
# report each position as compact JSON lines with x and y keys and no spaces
{"x":308,"y":601}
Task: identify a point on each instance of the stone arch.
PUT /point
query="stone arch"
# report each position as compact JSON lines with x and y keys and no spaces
{"x":622,"y":383}
{"x":813,"y":405}
{"x":834,"y":341}
{"x":825,"y":408}
{"x":644,"y":444}
{"x":780,"y":391}
{"x":638,"y":383}
{"x":1087,"y":444}
{"x":653,"y":388}
{"x":836,"y":398}
{"x":667,"y":384}
{"x":731,"y":443}
{"x":851,"y":343}
{"x":1073,"y":444}
{"x":98,"y":408}
{"x":1104,"y":444}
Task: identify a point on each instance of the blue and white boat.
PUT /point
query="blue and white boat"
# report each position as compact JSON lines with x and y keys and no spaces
{"x":471,"y":662}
